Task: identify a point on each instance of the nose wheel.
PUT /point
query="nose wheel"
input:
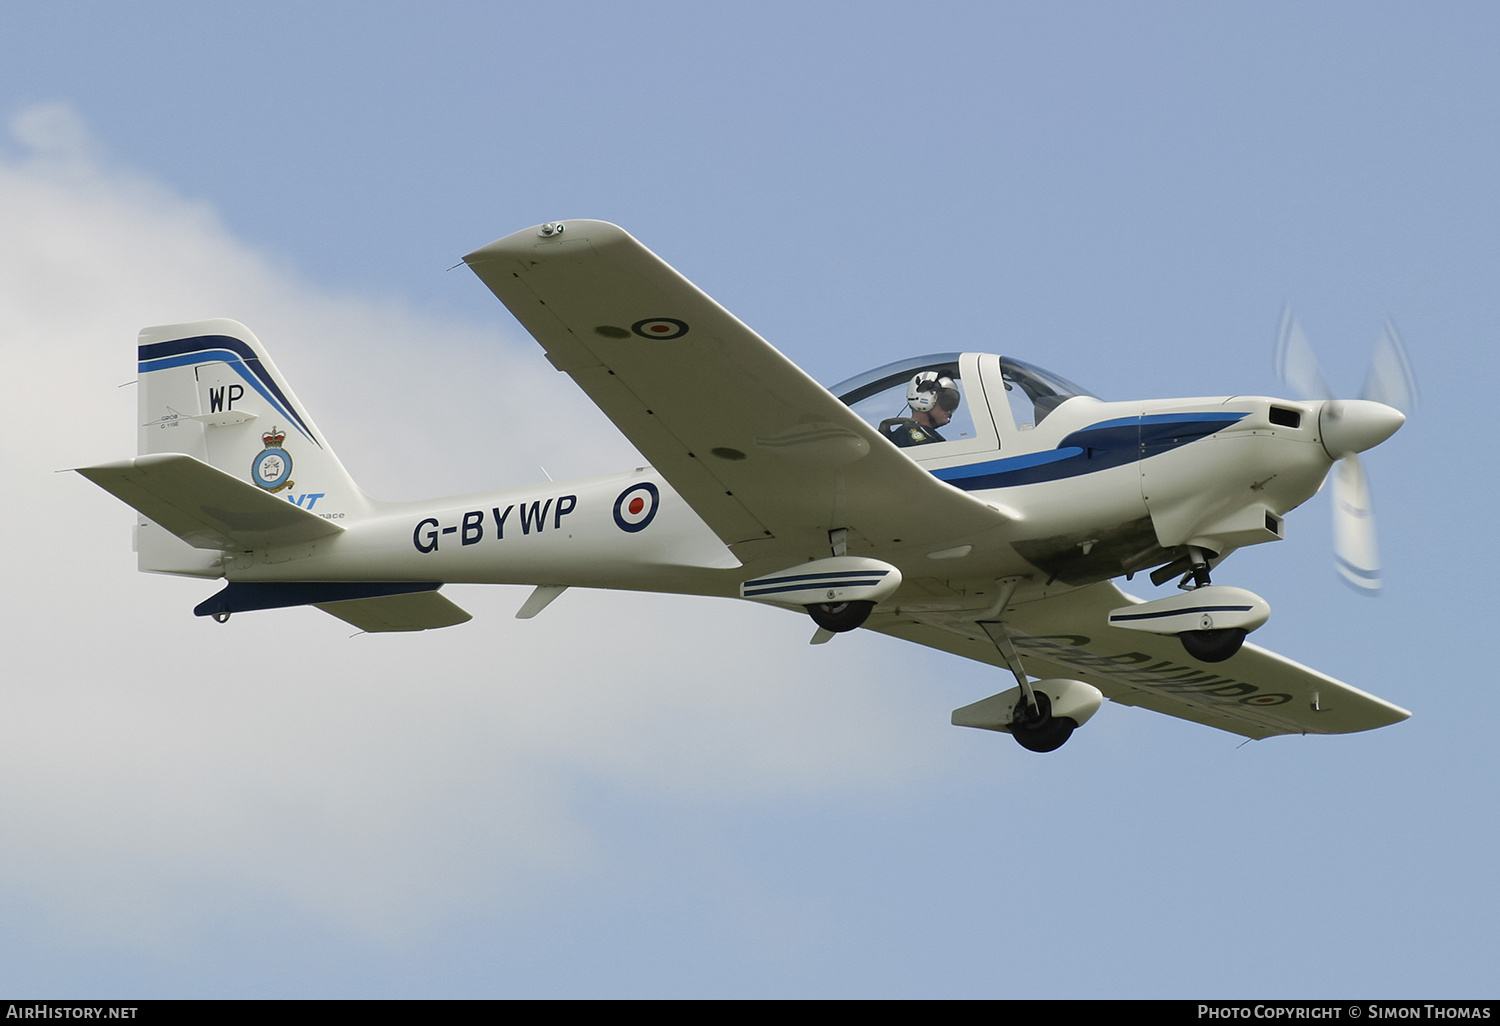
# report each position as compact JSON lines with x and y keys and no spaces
{"x":1211,"y":645}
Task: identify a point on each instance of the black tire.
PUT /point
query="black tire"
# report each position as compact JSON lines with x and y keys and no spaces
{"x":840,"y":616}
{"x":1045,"y":732}
{"x":1049,"y":737}
{"x":1213,"y":646}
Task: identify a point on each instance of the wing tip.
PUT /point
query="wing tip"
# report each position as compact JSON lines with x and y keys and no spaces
{"x":526,"y":241}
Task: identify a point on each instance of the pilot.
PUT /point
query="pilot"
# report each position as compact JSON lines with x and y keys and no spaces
{"x":932,"y":397}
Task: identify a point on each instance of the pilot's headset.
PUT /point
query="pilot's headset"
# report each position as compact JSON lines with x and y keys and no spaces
{"x":929,"y":389}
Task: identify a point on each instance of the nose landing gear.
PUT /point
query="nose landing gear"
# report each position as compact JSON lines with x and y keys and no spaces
{"x":1208,"y":644}
{"x":1210,"y":620}
{"x":1212,"y":646}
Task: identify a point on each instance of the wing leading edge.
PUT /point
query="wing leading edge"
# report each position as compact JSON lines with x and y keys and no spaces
{"x":764,"y":454}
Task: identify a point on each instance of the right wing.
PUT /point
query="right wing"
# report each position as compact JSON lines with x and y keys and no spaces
{"x":1255,"y":693}
{"x":763,"y":453}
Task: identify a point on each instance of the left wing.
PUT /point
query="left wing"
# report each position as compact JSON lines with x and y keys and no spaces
{"x":1255,"y":693}
{"x":762,"y":452}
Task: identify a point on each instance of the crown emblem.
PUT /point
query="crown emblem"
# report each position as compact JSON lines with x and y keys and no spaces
{"x":273,"y":438}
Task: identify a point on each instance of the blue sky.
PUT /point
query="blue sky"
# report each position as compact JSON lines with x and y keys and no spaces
{"x":660,"y":797}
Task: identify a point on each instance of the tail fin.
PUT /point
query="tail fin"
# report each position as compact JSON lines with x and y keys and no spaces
{"x":208,"y":390}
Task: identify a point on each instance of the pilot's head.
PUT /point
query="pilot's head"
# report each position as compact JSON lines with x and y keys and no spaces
{"x":932,"y":397}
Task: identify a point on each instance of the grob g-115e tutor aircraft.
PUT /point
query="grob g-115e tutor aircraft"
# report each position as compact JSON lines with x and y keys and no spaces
{"x":967,"y":502}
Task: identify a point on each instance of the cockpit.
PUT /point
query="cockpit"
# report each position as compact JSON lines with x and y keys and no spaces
{"x":946,"y":399}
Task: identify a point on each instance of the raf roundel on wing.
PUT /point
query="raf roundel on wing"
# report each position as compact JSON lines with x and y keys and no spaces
{"x":660,"y":328}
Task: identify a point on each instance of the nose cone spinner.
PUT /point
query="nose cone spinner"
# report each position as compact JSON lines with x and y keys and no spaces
{"x":1354,"y":425}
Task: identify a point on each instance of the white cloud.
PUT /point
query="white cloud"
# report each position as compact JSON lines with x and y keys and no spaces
{"x":151,"y":762}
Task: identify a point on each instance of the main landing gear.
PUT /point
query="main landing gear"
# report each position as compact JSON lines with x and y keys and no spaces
{"x":839,"y":591}
{"x":1041,"y":715}
{"x":1036,"y":729}
{"x":839,"y":617}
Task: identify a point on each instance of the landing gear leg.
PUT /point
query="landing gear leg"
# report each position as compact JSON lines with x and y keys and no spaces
{"x":1032,"y":723}
{"x":995,"y":628}
{"x":1197,"y":571}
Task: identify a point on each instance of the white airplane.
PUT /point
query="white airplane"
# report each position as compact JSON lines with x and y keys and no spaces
{"x":967,"y":502}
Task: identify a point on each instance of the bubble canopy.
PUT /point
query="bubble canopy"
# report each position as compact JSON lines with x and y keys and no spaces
{"x":879,"y":396}
{"x":863,"y":386}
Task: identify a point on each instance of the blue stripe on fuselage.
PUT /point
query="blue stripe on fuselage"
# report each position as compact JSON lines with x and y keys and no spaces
{"x":1102,"y":446}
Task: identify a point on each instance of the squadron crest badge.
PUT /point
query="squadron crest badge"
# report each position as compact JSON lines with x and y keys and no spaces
{"x":272,"y":467}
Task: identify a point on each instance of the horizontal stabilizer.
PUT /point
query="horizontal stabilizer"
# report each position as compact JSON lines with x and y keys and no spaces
{"x":373,"y":607}
{"x":419,"y":611}
{"x":205,"y":507}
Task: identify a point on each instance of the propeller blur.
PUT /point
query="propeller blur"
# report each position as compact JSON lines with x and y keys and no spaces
{"x":1349,"y":427}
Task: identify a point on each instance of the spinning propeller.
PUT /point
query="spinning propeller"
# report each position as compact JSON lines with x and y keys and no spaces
{"x":1349,"y":427}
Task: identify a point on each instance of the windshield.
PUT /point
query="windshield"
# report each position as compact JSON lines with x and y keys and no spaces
{"x":1034,"y":392}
